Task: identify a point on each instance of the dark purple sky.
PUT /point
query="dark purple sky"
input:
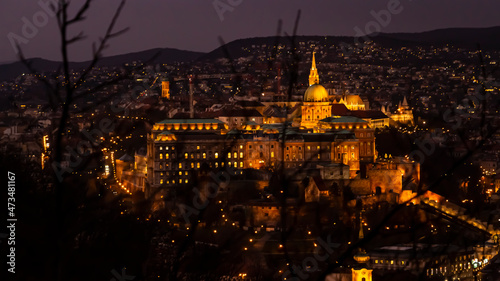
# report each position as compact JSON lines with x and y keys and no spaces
{"x":195,"y":24}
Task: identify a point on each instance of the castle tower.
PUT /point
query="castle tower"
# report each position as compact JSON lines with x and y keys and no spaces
{"x":313,"y":75}
{"x":165,"y":89}
{"x":361,"y":272}
{"x":316,"y":105}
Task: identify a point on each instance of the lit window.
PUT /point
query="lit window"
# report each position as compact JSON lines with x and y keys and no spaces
{"x":319,"y":156}
{"x":236,"y":164}
{"x":186,"y":155}
{"x":180,"y":181}
{"x":161,"y":181}
{"x":216,"y":155}
{"x":186,"y":181}
{"x":235,"y":155}
{"x":161,"y":156}
{"x":229,"y":155}
{"x":308,"y":148}
{"x":192,"y":155}
{"x":241,"y":155}
{"x":272,"y":153}
{"x":241,"y":146}
{"x":229,"y":164}
{"x":241,"y":164}
{"x":161,"y":147}
{"x":166,"y":147}
{"x":180,"y":165}
{"x":197,"y":147}
{"x":197,"y":165}
{"x":216,"y":164}
{"x":180,"y":173}
{"x":192,"y":165}
{"x":204,"y":155}
{"x":167,"y":156}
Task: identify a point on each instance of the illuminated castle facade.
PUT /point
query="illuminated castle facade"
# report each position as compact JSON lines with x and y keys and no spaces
{"x":177,"y":148}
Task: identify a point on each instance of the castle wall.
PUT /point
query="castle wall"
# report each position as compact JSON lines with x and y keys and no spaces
{"x":386,"y":179}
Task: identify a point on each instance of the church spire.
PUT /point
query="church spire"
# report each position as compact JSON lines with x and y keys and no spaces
{"x":405,"y":103}
{"x":313,"y":75}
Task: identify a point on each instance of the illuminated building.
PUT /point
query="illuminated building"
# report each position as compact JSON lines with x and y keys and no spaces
{"x":165,"y":89}
{"x":361,"y":272}
{"x":403,"y":114}
{"x":177,"y":148}
{"x":316,"y":105}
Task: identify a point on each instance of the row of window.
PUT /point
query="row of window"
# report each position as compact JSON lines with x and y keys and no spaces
{"x":180,"y":181}
{"x":166,"y":147}
{"x":442,"y":270}
{"x":201,"y":155}
{"x":388,"y":262}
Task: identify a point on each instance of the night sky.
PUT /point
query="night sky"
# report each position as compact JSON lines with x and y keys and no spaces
{"x":196,"y":25}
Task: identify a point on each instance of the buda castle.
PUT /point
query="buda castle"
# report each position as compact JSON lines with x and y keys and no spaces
{"x":178,"y":147}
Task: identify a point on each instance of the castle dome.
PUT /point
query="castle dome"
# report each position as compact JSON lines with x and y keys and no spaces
{"x":316,"y":93}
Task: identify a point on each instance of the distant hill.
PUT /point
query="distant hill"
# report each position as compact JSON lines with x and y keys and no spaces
{"x":488,"y":37}
{"x":152,"y":56}
{"x":236,"y":48}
